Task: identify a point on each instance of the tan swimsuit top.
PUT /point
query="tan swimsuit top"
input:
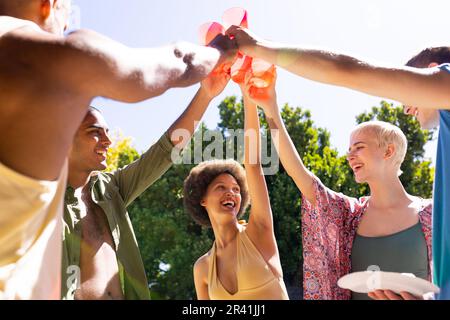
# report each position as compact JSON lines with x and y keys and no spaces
{"x":255,"y":279}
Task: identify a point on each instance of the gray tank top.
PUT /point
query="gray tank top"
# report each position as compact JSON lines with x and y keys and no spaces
{"x":405,"y":252}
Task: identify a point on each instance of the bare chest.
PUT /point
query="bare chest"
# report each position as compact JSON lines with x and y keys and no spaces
{"x":95,"y":226}
{"x":226,"y":260}
{"x":98,"y":259}
{"x":378,"y":223}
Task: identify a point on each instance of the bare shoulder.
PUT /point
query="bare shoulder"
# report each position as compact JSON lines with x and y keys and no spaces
{"x":29,"y":53}
{"x":423,"y":206}
{"x":201,"y":272}
{"x":10,"y":24}
{"x":201,"y":266}
{"x":27,"y":48}
{"x":23,"y":31}
{"x":427,"y":205}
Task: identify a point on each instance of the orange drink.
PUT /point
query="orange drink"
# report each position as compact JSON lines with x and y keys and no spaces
{"x":263,"y":73}
{"x":240,"y":68}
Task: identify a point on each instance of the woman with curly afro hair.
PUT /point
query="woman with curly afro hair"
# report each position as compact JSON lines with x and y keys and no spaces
{"x":243,"y":262}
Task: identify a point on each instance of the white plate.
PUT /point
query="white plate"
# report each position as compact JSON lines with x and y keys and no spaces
{"x":368,"y":281}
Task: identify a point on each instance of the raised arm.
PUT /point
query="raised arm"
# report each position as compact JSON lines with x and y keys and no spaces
{"x":94,"y":65}
{"x":427,"y":88}
{"x":292,"y":163}
{"x":260,"y":226}
{"x":181,"y":131}
{"x":141,"y":174}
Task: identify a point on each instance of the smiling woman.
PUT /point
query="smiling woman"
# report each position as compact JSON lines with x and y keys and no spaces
{"x":377,"y":134}
{"x":237,"y":267}
{"x":390,"y":230}
{"x":244,"y":261}
{"x":214,"y":179}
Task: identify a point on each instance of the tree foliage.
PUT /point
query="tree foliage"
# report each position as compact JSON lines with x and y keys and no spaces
{"x":121,"y":153}
{"x":171,"y":242}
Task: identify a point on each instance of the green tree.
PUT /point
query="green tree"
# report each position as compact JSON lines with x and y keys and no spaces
{"x":170,"y":241}
{"x":120,"y":153}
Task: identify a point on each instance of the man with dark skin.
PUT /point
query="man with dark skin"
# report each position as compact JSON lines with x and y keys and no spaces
{"x":47,"y":83}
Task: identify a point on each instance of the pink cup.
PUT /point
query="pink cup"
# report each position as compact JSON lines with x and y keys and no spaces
{"x":238,"y":17}
{"x":235,"y":16}
{"x":208,"y":31}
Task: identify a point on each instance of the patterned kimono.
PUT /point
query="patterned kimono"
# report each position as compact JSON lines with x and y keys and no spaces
{"x":328,"y":231}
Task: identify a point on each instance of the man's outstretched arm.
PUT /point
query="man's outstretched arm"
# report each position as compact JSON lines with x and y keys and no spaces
{"x":52,"y":80}
{"x":427,"y":88}
{"x":92,"y":64}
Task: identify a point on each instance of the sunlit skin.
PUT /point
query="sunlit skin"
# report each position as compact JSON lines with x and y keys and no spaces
{"x":222,"y":202}
{"x":47,"y":100}
{"x":91,"y":143}
{"x":223,"y":199}
{"x":428,"y":118}
{"x":48,"y":80}
{"x":365,"y":157}
{"x":367,"y":160}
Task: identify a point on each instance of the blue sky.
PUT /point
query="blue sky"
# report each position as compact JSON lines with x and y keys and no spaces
{"x":387,"y":31}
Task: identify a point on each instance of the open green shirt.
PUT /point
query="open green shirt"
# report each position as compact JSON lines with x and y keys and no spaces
{"x":114,"y":192}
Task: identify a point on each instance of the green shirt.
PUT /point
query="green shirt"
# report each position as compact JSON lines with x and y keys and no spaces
{"x":114,"y":192}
